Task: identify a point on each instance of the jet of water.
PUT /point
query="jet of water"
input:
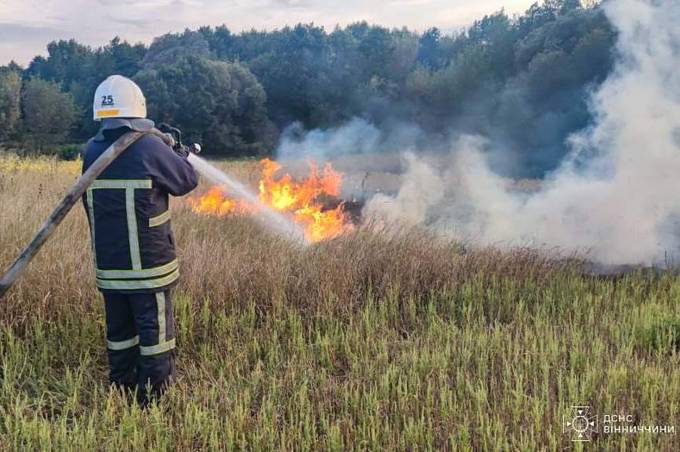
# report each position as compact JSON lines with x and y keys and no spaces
{"x":270,"y":218}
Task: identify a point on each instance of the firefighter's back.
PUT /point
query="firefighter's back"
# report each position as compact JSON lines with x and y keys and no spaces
{"x":128,"y":208}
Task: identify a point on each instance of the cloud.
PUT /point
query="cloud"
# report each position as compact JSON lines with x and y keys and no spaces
{"x":22,"y":42}
{"x":29,"y":25}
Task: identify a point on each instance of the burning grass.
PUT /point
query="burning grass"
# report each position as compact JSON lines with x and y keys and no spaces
{"x":367,"y":341}
{"x":301,"y":199}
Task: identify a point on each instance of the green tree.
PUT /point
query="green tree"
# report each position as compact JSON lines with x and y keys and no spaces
{"x":218,"y":104}
{"x":429,"y":52}
{"x":67,"y":62}
{"x":48,"y":113}
{"x":10,"y":101}
{"x":169,"y":48}
{"x":294,"y":71}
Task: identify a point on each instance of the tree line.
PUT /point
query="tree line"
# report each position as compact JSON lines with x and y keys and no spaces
{"x":521,"y":81}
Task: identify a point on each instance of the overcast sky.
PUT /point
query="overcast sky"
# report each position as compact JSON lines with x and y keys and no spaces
{"x":26,"y":26}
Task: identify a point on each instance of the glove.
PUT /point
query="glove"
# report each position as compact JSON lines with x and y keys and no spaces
{"x":182,"y":151}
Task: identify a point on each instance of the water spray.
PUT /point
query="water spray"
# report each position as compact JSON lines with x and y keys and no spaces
{"x":270,"y":218}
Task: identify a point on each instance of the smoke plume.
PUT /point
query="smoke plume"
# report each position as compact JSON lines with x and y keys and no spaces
{"x":616,"y":196}
{"x":355,"y":137}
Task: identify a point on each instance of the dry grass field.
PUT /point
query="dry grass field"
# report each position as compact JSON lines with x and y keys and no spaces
{"x":369,"y":341}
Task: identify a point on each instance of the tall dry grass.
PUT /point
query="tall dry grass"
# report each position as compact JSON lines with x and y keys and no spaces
{"x":369,"y":341}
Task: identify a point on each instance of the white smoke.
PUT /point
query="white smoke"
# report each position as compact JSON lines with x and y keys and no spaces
{"x":617,"y":195}
{"x":356,"y":136}
{"x":422,"y":187}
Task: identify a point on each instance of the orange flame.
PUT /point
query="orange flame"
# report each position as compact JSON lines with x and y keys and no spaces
{"x":300,"y":199}
{"x":214,"y":202}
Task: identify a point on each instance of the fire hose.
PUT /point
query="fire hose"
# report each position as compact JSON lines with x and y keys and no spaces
{"x":170,"y":135}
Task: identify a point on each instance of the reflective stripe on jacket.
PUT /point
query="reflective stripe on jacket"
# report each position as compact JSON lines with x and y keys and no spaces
{"x":127,"y":209}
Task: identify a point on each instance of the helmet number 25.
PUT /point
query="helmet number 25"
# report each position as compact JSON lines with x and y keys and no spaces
{"x":107,"y":101}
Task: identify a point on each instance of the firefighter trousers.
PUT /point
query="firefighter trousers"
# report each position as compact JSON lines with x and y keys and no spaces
{"x":140,"y":333}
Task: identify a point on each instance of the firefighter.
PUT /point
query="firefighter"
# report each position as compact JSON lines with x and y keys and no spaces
{"x":132,"y":242}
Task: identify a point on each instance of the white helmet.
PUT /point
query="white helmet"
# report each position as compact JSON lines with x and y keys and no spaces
{"x":118,"y":97}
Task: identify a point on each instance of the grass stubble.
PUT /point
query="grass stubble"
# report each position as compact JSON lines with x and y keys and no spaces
{"x":373,"y":341}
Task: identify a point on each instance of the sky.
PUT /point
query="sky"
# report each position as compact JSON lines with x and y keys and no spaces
{"x":26,"y":26}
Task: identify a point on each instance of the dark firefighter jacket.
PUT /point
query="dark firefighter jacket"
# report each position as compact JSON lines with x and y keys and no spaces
{"x":127,"y":207}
